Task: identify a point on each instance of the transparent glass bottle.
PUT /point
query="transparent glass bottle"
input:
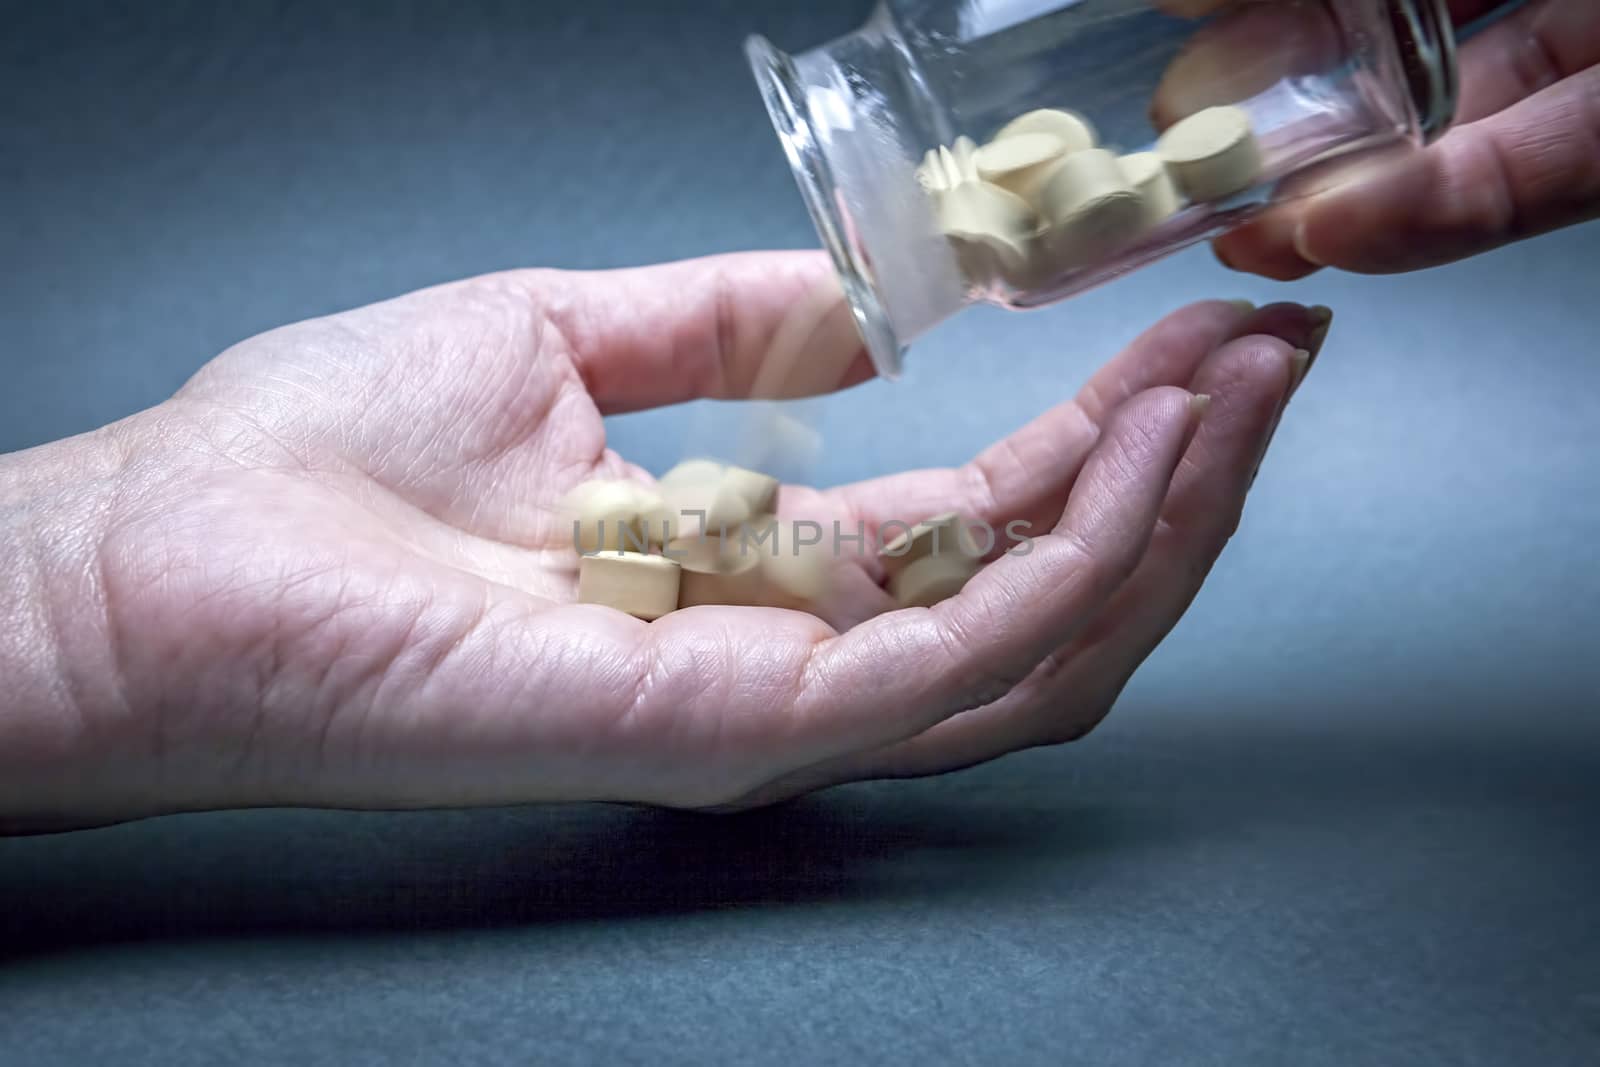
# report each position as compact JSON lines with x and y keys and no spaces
{"x":1222,"y":104}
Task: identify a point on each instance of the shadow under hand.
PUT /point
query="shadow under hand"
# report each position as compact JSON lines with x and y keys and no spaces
{"x":239,"y":873}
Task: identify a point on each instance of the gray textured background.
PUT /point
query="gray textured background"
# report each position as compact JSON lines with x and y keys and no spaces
{"x":1347,"y":814}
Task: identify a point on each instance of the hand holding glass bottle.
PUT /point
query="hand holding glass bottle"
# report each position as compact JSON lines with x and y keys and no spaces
{"x":1524,"y":159}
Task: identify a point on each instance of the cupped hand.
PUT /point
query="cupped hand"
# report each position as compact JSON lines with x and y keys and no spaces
{"x":332,"y":570}
{"x":1523,"y":159}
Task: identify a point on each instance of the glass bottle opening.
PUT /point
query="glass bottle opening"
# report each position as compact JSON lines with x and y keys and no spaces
{"x":785,"y":99}
{"x":1427,"y":47}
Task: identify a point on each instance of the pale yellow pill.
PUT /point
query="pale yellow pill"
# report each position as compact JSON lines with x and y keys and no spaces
{"x":987,"y":215}
{"x":691,"y":486}
{"x":759,"y":491}
{"x":1019,"y":163}
{"x":1212,"y":154}
{"x":965,"y":154}
{"x":1080,"y":181}
{"x":665,"y":522}
{"x":698,"y":497}
{"x":1073,"y":131}
{"x":605,"y":515}
{"x":717,"y":570}
{"x":712,"y":508}
{"x":797,"y":576}
{"x":942,"y":535}
{"x":692,"y":472}
{"x":948,"y":164}
{"x":714,"y":554}
{"x":798,"y":443}
{"x":1000,"y":158}
{"x":931,"y":579}
{"x":644,"y":586}
{"x":741,"y":589}
{"x":1093,"y":210}
{"x":1147,"y":173}
{"x":774,"y":439}
{"x":654,"y":518}
{"x":931,"y":175}
{"x":1100,"y":230}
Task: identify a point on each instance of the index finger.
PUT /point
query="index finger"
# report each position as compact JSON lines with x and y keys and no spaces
{"x":900,"y":673}
{"x":769,"y":324}
{"x":1530,"y":169}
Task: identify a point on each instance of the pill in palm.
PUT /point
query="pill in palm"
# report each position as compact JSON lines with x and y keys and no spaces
{"x":931,"y":579}
{"x":797,"y":572}
{"x":717,"y":570}
{"x":640,"y":584}
{"x":942,"y":535}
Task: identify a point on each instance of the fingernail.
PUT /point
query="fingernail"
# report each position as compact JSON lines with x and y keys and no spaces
{"x":1299,"y":363}
{"x":1244,"y":307}
{"x":1198,"y":403}
{"x":1302,"y":247}
{"x":1321,"y":323}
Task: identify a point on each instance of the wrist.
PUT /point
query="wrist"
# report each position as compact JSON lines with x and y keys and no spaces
{"x":62,"y":717}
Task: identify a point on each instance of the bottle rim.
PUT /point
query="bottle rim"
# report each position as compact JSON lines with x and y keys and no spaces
{"x":784,"y":94}
{"x":1427,"y":55}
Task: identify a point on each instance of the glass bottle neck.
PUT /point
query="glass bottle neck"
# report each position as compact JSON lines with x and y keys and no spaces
{"x":840,"y":111}
{"x":1427,"y":73}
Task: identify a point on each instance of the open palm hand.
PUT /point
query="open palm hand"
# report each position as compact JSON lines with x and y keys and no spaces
{"x":333,"y":571}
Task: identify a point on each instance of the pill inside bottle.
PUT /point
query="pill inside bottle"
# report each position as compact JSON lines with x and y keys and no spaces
{"x":954,"y":154}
